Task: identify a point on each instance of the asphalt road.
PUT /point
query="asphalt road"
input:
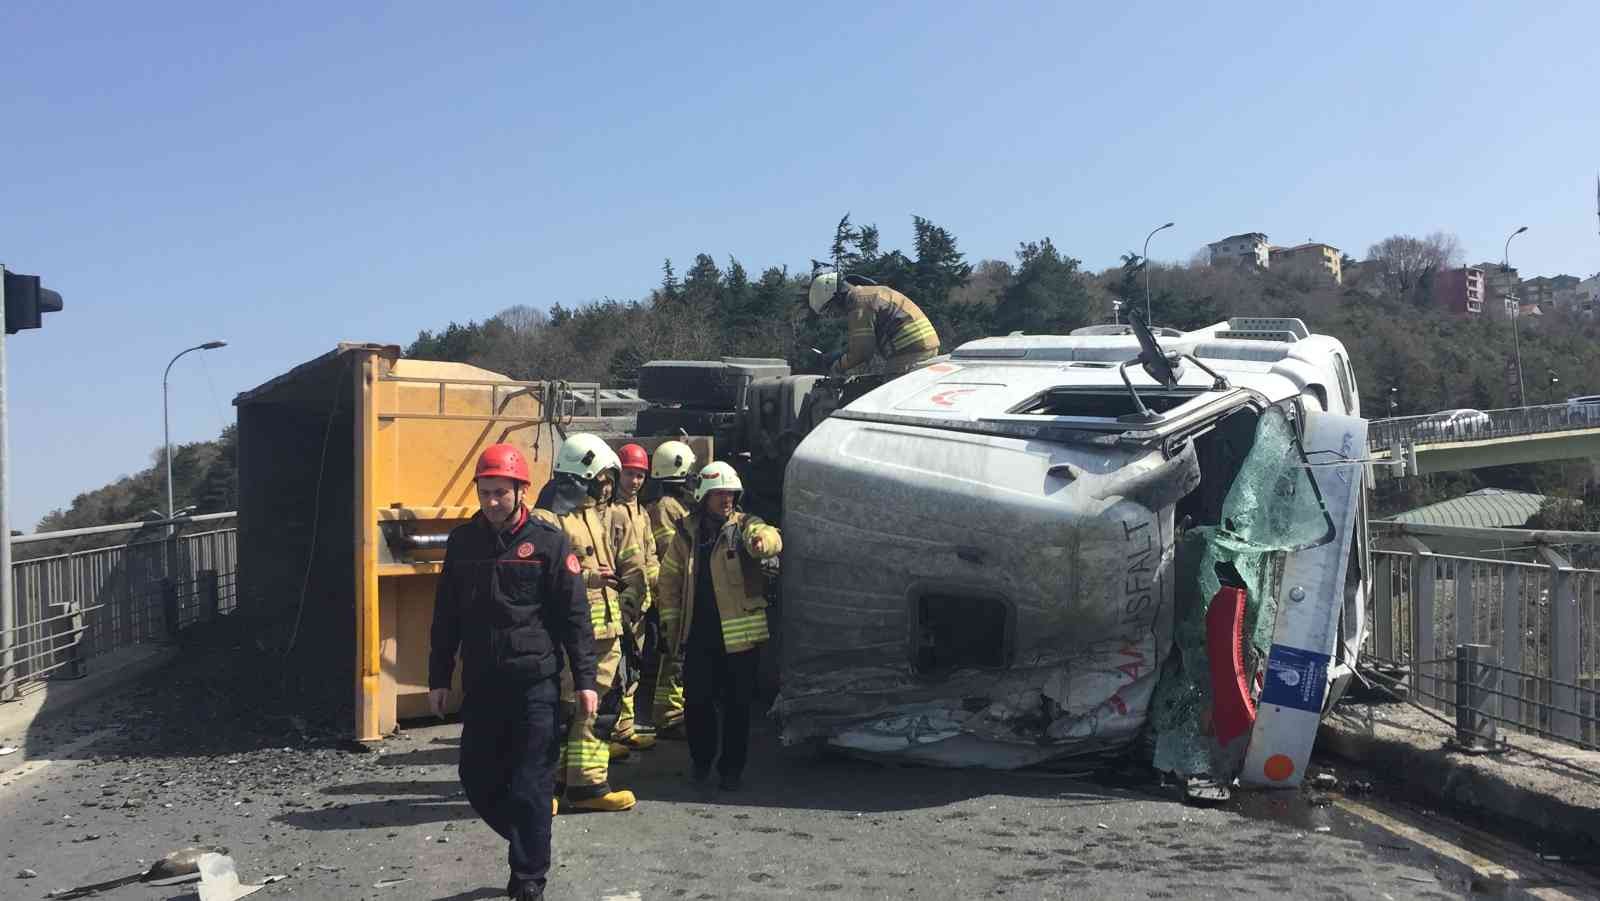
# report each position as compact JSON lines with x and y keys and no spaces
{"x":104,"y":789}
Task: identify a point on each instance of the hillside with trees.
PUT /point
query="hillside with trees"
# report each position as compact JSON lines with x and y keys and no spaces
{"x":1397,"y":338}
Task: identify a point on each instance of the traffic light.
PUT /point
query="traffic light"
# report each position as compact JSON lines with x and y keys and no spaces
{"x":27,"y":301}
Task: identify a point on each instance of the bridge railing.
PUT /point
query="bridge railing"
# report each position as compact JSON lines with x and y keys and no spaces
{"x":1383,"y":434}
{"x":72,"y":605}
{"x":1540,"y":622}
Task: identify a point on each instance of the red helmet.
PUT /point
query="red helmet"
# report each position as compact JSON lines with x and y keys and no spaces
{"x":503,"y":461}
{"x":634,"y":457}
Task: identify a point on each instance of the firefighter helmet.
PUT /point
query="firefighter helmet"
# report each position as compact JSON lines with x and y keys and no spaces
{"x":717,"y":476}
{"x":823,"y":288}
{"x":673,"y":460}
{"x":585,"y":456}
{"x":502,"y":461}
{"x":634,"y":457}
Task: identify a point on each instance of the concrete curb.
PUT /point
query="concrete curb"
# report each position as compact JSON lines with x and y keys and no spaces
{"x":1538,"y":801}
{"x":107,"y":674}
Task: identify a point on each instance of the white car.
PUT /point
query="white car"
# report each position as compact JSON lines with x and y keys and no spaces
{"x":1455,"y":424}
{"x":1584,"y":407}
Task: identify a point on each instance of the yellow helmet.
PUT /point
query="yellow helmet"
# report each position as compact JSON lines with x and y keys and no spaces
{"x":672,"y":460}
{"x":717,"y":476}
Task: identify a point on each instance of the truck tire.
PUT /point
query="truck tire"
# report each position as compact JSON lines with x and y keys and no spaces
{"x":707,"y":384}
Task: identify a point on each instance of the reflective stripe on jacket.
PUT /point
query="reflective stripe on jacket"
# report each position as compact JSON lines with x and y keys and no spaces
{"x":588,"y":528}
{"x":736,"y":578}
{"x":885,"y":322}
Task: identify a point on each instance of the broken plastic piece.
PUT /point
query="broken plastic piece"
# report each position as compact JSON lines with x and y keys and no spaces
{"x":219,"y":880}
{"x":1233,"y":712}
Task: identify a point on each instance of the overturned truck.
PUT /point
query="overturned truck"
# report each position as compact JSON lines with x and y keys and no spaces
{"x":1046,"y":546}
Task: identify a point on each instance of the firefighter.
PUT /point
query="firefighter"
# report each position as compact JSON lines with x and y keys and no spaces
{"x":630,"y":523}
{"x":712,"y":576}
{"x":670,"y":467}
{"x":882,"y":322}
{"x":576,"y":500}
{"x":511,"y":599}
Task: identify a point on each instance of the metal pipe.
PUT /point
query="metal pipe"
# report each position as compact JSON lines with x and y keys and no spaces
{"x":1516,"y":314}
{"x":1146,"y":257}
{"x":120,"y":527}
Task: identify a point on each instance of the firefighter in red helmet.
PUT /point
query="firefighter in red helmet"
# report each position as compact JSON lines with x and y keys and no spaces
{"x":511,"y":600}
{"x":629,"y":517}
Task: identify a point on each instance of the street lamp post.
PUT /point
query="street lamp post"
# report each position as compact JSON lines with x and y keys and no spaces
{"x":1146,"y":257}
{"x":1516,"y":314}
{"x":166,"y":432}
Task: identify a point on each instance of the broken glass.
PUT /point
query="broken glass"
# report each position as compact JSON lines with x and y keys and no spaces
{"x":1272,"y":508}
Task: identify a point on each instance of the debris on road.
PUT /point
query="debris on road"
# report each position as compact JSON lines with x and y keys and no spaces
{"x":386,"y":883}
{"x":219,"y":880}
{"x":182,"y":865}
{"x":8,"y":749}
{"x":26,"y":873}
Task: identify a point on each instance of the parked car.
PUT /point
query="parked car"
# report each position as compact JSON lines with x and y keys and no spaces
{"x":1454,"y":424}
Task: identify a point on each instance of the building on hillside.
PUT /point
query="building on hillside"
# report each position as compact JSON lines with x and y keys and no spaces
{"x":1312,"y":258}
{"x":1548,"y":291}
{"x":1249,"y":248}
{"x":1500,"y":285}
{"x":1459,"y":290}
{"x":1586,"y":296}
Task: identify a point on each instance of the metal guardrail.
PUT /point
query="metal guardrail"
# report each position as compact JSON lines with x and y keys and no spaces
{"x":1538,"y":626}
{"x":73,"y":606}
{"x":1384,"y":434}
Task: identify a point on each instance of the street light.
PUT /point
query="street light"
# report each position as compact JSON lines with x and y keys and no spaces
{"x":1394,"y":400}
{"x":1550,"y":386}
{"x":1516,"y":313}
{"x":166,"y":432}
{"x":1146,"y":257}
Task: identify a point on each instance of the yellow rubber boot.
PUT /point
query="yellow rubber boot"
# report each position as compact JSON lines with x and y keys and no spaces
{"x":555,"y":806}
{"x":610,"y":801}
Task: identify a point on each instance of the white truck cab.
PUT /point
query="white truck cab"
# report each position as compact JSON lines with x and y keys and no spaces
{"x":1040,"y":546}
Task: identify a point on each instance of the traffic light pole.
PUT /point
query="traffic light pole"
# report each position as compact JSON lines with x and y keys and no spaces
{"x":8,"y":609}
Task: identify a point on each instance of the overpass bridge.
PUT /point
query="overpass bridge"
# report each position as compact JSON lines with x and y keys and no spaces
{"x":1418,"y":445}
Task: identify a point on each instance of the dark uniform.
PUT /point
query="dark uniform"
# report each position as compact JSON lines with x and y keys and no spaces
{"x":513,"y":601}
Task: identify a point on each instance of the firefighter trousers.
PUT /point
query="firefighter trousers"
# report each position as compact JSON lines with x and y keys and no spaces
{"x":585,"y":758}
{"x":713,"y":679}
{"x":510,"y":739}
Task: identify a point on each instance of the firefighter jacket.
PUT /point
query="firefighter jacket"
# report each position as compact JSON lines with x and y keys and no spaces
{"x":666,"y":512}
{"x":589,"y":530}
{"x":630,"y":520}
{"x":885,"y":322}
{"x":736,"y":577}
{"x":511,"y":601}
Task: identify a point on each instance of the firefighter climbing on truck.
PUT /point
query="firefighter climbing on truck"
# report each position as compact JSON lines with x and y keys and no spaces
{"x":883,"y":324}
{"x":576,"y":500}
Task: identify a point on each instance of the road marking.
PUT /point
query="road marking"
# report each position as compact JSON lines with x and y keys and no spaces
{"x":36,"y":766}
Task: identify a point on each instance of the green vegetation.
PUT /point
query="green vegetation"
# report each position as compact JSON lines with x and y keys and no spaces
{"x":1435,"y":360}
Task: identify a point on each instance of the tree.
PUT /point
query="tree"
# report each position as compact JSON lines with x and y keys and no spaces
{"x":1403,"y":261}
{"x":1048,"y":294}
{"x":940,"y":268}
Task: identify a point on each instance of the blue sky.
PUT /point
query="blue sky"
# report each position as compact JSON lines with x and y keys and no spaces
{"x":288,"y":176}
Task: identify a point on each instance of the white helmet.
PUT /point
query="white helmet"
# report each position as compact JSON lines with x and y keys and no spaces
{"x":717,"y":476}
{"x":585,"y":456}
{"x":672,"y":460}
{"x":823,"y":286}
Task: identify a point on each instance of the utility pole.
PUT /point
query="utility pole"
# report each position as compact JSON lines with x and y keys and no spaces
{"x":1516,"y":314}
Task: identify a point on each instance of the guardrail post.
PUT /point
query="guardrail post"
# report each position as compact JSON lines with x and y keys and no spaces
{"x":1465,"y":633}
{"x":169,"y":606}
{"x":1511,"y":641}
{"x":1423,"y":645}
{"x":1383,"y":607}
{"x":1474,"y":729}
{"x":209,"y":597}
{"x":1564,"y":638}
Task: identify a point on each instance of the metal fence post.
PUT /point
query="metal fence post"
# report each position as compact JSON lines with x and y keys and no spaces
{"x":1474,"y":729}
{"x":1423,"y":572}
{"x":169,"y":606}
{"x":1465,"y":634}
{"x":1511,"y":640}
{"x":1383,"y":607}
{"x":1564,"y":647}
{"x":209,"y":598}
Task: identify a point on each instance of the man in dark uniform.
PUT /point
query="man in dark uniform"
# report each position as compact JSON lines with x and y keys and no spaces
{"x":511,"y":598}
